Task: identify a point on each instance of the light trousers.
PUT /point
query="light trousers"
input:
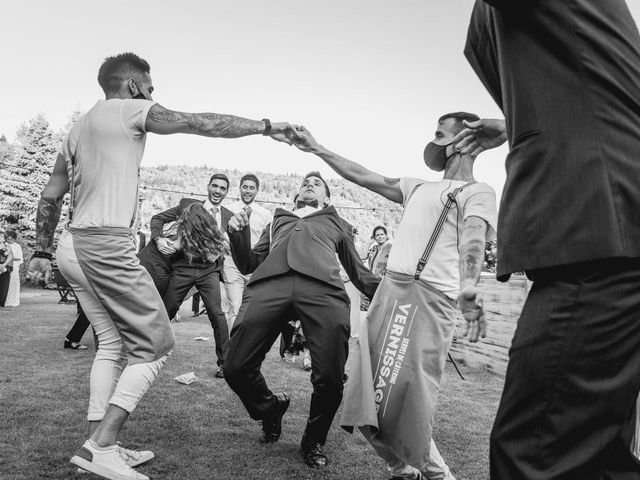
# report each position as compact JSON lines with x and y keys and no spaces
{"x":112,"y":381}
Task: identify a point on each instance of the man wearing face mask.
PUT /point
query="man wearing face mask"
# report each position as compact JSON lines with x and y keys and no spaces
{"x":99,"y":165}
{"x":295,"y":276}
{"x":450,"y":274}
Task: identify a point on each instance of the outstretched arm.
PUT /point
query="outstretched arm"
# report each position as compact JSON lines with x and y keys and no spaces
{"x":47,"y":218}
{"x":472,"y":242}
{"x":352,"y":171}
{"x":163,"y":121}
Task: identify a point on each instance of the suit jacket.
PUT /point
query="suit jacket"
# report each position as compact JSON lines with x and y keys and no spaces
{"x":566,"y":75}
{"x":306,"y":245}
{"x":159,"y":220}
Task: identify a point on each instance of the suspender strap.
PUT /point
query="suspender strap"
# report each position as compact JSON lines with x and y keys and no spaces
{"x":72,"y":192}
{"x":451,"y":200}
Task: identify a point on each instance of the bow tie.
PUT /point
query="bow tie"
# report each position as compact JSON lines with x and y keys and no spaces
{"x":310,"y":203}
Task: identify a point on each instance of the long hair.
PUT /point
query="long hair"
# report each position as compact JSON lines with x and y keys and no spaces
{"x":199,"y":235}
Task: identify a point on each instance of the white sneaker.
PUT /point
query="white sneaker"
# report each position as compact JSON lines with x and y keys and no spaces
{"x":107,"y":462}
{"x":306,"y":364}
{"x":289,"y":357}
{"x":133,"y":458}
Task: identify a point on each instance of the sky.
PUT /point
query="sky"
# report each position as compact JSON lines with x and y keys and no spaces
{"x":368,"y":78}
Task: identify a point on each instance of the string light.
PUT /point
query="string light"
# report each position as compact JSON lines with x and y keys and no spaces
{"x":144,"y":187}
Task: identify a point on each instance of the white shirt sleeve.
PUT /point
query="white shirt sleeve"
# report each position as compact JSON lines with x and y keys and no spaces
{"x":133,"y":115}
{"x":480,"y":201}
{"x":407,"y":185}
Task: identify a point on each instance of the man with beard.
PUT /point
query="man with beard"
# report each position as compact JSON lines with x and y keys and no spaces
{"x":447,"y":272}
{"x":99,"y":164}
{"x":184,"y":274}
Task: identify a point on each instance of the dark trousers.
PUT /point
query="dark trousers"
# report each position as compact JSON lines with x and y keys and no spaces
{"x":79,"y":327}
{"x":266,"y":307}
{"x":195,"y":303}
{"x":207,"y":280}
{"x":4,"y":286}
{"x":158,"y":265}
{"x":573,"y":377}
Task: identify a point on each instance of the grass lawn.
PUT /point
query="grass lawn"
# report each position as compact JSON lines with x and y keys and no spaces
{"x":199,"y":431}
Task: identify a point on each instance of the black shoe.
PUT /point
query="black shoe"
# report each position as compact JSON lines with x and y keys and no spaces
{"x":272,"y":425}
{"x":220,"y":372}
{"x":74,"y":345}
{"x":314,"y":455}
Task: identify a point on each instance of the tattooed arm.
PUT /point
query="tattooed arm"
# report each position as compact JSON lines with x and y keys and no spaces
{"x":352,"y":171}
{"x":472,"y":242}
{"x":165,"y":122}
{"x":47,"y":218}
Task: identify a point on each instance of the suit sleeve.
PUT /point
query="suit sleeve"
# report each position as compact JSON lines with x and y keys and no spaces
{"x":159,"y":219}
{"x":362,"y":278}
{"x":246,"y":258}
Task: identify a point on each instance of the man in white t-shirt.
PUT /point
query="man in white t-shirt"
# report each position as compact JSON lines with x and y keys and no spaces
{"x":99,"y":165}
{"x":453,"y":268}
{"x":260,"y":217}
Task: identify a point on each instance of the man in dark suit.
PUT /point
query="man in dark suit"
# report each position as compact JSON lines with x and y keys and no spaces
{"x":295,"y":276}
{"x":184,"y":275}
{"x":567,"y":78}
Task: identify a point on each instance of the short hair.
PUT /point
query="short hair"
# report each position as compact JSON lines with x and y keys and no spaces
{"x":114,"y":70}
{"x":12,"y":234}
{"x":317,"y":174}
{"x":459,"y":117}
{"x":251,"y":177}
{"x":220,"y":176}
{"x":379,"y":227}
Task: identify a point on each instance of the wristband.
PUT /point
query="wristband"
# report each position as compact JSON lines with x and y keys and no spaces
{"x":267,"y":126}
{"x":46,"y":255}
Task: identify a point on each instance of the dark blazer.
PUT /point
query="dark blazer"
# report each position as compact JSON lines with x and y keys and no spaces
{"x":566,"y":75}
{"x":306,"y":245}
{"x":159,"y":220}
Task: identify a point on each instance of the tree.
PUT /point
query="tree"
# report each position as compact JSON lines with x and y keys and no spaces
{"x":24,"y":178}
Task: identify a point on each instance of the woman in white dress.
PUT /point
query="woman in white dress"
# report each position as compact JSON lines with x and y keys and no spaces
{"x":13,"y":295}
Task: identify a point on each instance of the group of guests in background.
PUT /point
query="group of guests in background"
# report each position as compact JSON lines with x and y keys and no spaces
{"x":11,"y":258}
{"x":187,"y":250}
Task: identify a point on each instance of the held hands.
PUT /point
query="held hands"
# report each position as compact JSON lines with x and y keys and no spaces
{"x":239,"y":221}
{"x":282,"y":132}
{"x":165,"y":246}
{"x":39,"y":271}
{"x":470,"y":304}
{"x":303,"y":139}
{"x":479,"y":136}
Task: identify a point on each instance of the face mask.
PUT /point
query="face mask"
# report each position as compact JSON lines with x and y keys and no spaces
{"x":435,"y":156}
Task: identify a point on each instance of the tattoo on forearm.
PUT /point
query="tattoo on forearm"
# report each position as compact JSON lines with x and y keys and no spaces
{"x":471,"y":258}
{"x":47,"y":218}
{"x":391,"y":181}
{"x":208,"y":124}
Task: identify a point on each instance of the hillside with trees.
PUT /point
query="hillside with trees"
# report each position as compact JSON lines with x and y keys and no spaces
{"x":360,"y":207}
